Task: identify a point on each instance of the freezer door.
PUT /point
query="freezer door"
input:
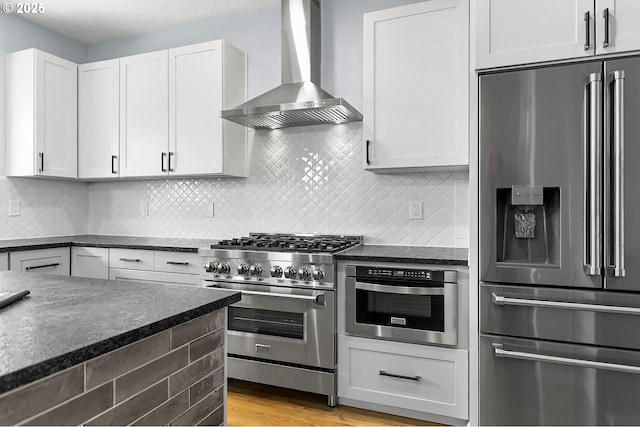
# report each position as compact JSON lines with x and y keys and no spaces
{"x":622,"y":174}
{"x":540,"y":182}
{"x":529,"y":382}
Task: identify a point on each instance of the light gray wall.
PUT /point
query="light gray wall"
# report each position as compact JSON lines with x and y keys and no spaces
{"x":17,"y":34}
{"x":258,"y":34}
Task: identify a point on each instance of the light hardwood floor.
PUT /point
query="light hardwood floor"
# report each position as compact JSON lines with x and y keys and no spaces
{"x":252,"y":404}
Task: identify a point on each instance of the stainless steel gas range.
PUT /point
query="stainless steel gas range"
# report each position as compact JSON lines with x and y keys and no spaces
{"x":283,"y":331}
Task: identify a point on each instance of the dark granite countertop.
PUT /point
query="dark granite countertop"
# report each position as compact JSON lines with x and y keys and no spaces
{"x":407,"y":254}
{"x":127,"y":242}
{"x":68,"y":320}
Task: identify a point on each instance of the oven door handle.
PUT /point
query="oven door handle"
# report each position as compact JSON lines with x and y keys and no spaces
{"x":502,"y":300}
{"x":499,"y":351}
{"x":318,"y":299}
{"x":404,"y":290}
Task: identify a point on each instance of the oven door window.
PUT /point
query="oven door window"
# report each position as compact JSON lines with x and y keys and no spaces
{"x":267,"y":322}
{"x":424,"y":312}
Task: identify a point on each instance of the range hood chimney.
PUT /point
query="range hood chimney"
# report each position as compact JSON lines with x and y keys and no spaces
{"x":299,"y":100}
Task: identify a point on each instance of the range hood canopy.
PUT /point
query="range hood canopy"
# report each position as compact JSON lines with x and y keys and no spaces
{"x":299,"y":101}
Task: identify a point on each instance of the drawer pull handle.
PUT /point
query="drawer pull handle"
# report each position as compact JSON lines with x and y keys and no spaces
{"x":130,"y":259}
{"x":598,"y":308}
{"x":402,"y":377}
{"x":177,"y":263}
{"x":33,"y":267}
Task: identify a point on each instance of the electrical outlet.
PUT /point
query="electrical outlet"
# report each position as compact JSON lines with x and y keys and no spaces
{"x":14,"y":208}
{"x":210,"y":210}
{"x":415,"y":209}
{"x":144,"y":208}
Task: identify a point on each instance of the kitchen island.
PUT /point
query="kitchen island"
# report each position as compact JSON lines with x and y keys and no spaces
{"x":99,"y":352}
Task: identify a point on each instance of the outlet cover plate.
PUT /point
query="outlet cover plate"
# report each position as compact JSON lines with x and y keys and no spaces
{"x":415,"y":209}
{"x":14,"y":208}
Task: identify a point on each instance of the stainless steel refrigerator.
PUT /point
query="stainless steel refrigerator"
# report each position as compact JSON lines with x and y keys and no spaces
{"x":560,"y":245}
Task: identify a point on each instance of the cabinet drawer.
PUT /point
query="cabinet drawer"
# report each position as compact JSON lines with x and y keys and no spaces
{"x":153,"y":277}
{"x":4,"y":262}
{"x":135,"y":259}
{"x":50,"y":261}
{"x":177,"y":262}
{"x":415,"y":377}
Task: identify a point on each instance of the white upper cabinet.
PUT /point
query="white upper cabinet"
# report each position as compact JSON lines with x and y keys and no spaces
{"x":622,"y":31}
{"x":144,"y":105}
{"x":41,"y":115}
{"x":416,"y":87}
{"x":203,"y":80}
{"x":98,"y":119}
{"x":513,"y":32}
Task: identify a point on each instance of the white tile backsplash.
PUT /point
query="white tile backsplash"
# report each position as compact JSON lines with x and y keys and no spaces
{"x":305,"y":180}
{"x":47,"y":208}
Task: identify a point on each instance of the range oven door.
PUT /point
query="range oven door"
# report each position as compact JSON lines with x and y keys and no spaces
{"x":394,"y":310}
{"x":280,"y":324}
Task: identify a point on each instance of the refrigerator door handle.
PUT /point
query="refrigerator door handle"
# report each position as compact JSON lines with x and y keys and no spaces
{"x":617,"y":177}
{"x":499,"y":351}
{"x":598,"y":308}
{"x":592,"y":174}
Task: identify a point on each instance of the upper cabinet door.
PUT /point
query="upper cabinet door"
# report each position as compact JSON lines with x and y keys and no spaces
{"x":511,"y":32}
{"x":98,"y":119}
{"x":144,"y":103}
{"x":56,"y":112}
{"x":202,"y":78}
{"x":416,"y":87}
{"x":618,"y":26}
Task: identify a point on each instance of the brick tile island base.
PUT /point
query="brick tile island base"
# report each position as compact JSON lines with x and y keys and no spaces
{"x":172,"y":377}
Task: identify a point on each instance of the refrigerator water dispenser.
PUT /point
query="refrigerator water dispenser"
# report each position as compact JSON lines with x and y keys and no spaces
{"x":528,"y":219}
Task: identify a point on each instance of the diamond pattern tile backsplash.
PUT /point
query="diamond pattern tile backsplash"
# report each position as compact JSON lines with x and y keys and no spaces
{"x":304,"y":180}
{"x":47,"y":208}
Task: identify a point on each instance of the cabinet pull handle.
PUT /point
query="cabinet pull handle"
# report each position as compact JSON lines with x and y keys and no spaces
{"x":113,"y":164}
{"x":177,"y":263}
{"x":402,"y":377}
{"x":368,"y":144}
{"x":605,"y":15}
{"x":33,"y":267}
{"x":587,"y":31}
{"x":162,"y":156}
{"x":41,"y":155}
{"x":170,"y":155}
{"x":130,"y":259}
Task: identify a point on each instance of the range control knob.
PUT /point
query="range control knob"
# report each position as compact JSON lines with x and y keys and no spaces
{"x":256,"y":270}
{"x":211,"y":267}
{"x":304,"y":273}
{"x":318,"y":274}
{"x":276,"y":271}
{"x":224,"y":268}
{"x":290,"y":272}
{"x":243,"y":269}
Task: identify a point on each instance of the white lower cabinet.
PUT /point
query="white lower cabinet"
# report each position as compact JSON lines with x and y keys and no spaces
{"x":90,"y":262}
{"x":418,"y":378}
{"x":50,"y":261}
{"x":154,"y":266}
{"x":4,"y":262}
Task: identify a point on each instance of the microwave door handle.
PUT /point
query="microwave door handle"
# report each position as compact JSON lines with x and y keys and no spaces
{"x":499,"y":351}
{"x":599,"y":308}
{"x":592,"y":174}
{"x":403,"y":290}
{"x":617,"y":178}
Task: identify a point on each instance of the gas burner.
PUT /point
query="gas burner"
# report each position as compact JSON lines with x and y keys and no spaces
{"x":290,"y":243}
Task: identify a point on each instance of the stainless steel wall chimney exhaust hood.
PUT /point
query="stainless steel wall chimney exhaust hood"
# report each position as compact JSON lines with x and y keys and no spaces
{"x":299,"y":101}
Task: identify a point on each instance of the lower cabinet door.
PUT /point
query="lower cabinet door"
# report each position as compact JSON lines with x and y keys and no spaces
{"x":422,"y":378}
{"x":90,"y":262}
{"x":4,"y":262}
{"x":50,"y":261}
{"x":154,"y":277}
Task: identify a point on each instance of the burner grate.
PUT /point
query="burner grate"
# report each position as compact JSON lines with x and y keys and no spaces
{"x":290,"y":243}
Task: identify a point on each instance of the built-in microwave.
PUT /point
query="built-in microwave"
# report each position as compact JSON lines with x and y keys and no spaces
{"x":402,"y":304}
